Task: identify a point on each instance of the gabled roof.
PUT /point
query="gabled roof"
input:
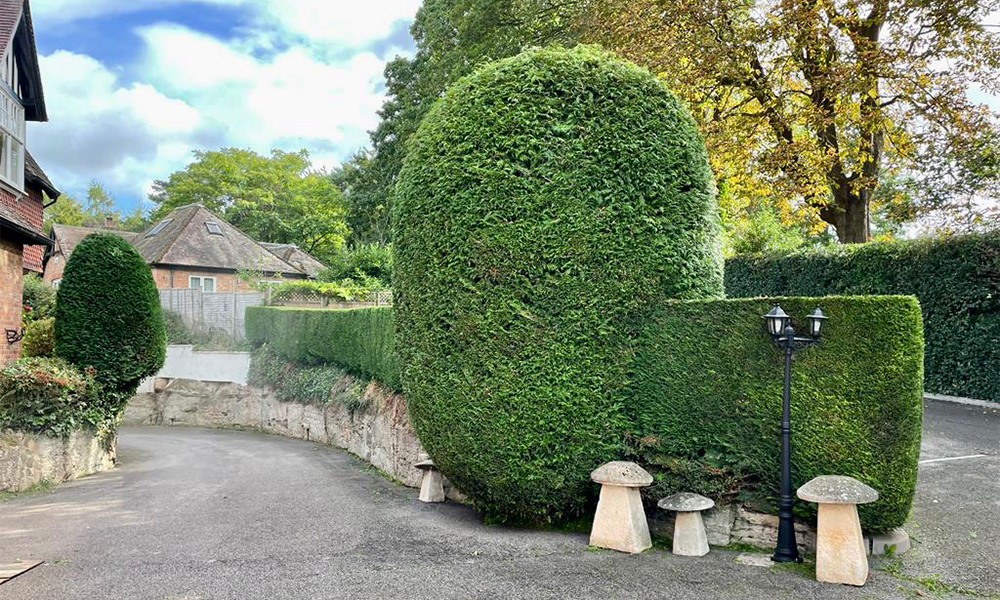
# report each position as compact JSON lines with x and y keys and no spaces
{"x":183,"y":239}
{"x":18,"y":33}
{"x":34,"y":174}
{"x":295,"y":256}
{"x":69,"y":236}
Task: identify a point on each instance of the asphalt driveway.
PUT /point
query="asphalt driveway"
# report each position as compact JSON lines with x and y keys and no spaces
{"x":198,"y":514}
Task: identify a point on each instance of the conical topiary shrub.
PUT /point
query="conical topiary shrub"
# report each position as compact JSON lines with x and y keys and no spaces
{"x":108,"y":315}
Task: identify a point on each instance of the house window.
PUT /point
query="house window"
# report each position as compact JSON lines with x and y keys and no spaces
{"x":11,"y":139}
{"x":205,"y":284}
{"x":159,"y":227}
{"x":213,"y":228}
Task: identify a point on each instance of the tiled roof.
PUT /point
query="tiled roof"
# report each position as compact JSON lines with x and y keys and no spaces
{"x":182,"y":239}
{"x":295,"y":256}
{"x":32,"y":258}
{"x":68,"y":236}
{"x":34,"y":174}
{"x":10,"y":15}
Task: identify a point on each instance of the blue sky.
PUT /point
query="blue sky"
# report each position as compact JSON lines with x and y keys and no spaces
{"x":134,"y":86}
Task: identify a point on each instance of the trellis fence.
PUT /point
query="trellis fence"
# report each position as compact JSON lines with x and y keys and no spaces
{"x":211,"y":311}
{"x":307,"y":299}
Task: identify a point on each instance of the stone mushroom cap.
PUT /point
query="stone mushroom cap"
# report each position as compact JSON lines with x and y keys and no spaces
{"x":426,"y":464}
{"x":621,"y":473}
{"x":837,"y":489}
{"x":686,"y":502}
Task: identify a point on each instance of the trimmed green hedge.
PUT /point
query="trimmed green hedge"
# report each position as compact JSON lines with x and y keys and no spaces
{"x":956,"y":279}
{"x":361,"y":340}
{"x":546,"y":204}
{"x":701,"y":406}
{"x":706,"y":388}
{"x":108,"y":315}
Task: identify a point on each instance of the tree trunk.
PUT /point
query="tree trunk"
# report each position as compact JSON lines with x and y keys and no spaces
{"x":849,"y":216}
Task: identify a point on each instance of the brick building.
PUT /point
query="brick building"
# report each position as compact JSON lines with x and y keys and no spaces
{"x":23,"y":184}
{"x":194,"y":248}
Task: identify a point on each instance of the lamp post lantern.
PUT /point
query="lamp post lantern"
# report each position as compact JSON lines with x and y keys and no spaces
{"x":779,"y":326}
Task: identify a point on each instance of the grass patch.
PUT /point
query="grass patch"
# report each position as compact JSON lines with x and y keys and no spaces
{"x":42,"y":487}
{"x":933,"y":584}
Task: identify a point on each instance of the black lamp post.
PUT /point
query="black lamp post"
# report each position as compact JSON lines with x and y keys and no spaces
{"x":779,"y":325}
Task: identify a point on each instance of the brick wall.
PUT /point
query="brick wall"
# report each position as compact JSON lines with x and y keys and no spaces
{"x":10,"y":297}
{"x":224,"y":282}
{"x":54,"y":267}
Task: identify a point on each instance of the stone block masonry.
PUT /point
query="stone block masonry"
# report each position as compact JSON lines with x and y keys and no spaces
{"x":28,"y":459}
{"x":371,"y":422}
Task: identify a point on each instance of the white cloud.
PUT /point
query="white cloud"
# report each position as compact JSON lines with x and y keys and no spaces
{"x":343,"y":22}
{"x":290,"y":98}
{"x":296,"y":74}
{"x":101,"y":128}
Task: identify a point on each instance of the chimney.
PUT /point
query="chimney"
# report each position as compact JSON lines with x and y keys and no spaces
{"x":111,"y":222}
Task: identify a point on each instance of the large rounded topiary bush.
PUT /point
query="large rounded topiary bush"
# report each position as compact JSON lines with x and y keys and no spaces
{"x":108,"y":314}
{"x":547,"y":202}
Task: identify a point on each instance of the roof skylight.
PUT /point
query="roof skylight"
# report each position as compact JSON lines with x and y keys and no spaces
{"x":159,"y":227}
{"x":213,"y":228}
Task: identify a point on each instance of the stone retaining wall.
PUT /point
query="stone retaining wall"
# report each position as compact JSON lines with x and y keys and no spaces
{"x":379,"y":431}
{"x":28,"y":459}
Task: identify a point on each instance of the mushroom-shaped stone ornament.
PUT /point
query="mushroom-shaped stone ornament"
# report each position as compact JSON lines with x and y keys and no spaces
{"x":431,"y":486}
{"x":690,"y":538}
{"x":620,"y":522}
{"x":840,"y":547}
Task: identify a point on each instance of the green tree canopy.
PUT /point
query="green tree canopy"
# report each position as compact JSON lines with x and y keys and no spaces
{"x":843,"y":113}
{"x":94,"y":212}
{"x":277,"y":198}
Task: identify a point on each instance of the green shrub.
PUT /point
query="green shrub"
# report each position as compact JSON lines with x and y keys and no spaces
{"x":293,"y":382}
{"x":371,"y":263}
{"x":39,"y":338}
{"x":352,"y":292}
{"x":108,"y":314}
{"x":956,"y":279}
{"x":38,"y":297}
{"x":706,"y":388}
{"x":214,"y":339}
{"x":360,"y":340}
{"x":546,"y":204}
{"x":177,"y":331}
{"x":48,"y":395}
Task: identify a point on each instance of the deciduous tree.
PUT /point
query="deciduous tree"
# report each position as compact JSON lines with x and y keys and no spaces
{"x":277,"y":198}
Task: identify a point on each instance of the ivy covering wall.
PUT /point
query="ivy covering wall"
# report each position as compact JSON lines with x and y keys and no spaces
{"x":956,"y":279}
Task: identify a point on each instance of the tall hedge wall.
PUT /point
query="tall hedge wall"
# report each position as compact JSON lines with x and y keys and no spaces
{"x":706,"y":388}
{"x":957,"y":280}
{"x":360,"y":340}
{"x":546,"y":203}
{"x":701,"y":405}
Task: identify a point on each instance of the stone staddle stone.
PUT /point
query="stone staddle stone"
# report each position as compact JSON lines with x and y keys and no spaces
{"x":690,"y":537}
{"x":837,"y":489}
{"x":686,"y":502}
{"x":622,"y":473}
{"x":841,"y":555}
{"x":425,"y":465}
{"x":620,"y":523}
{"x":432,"y":484}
